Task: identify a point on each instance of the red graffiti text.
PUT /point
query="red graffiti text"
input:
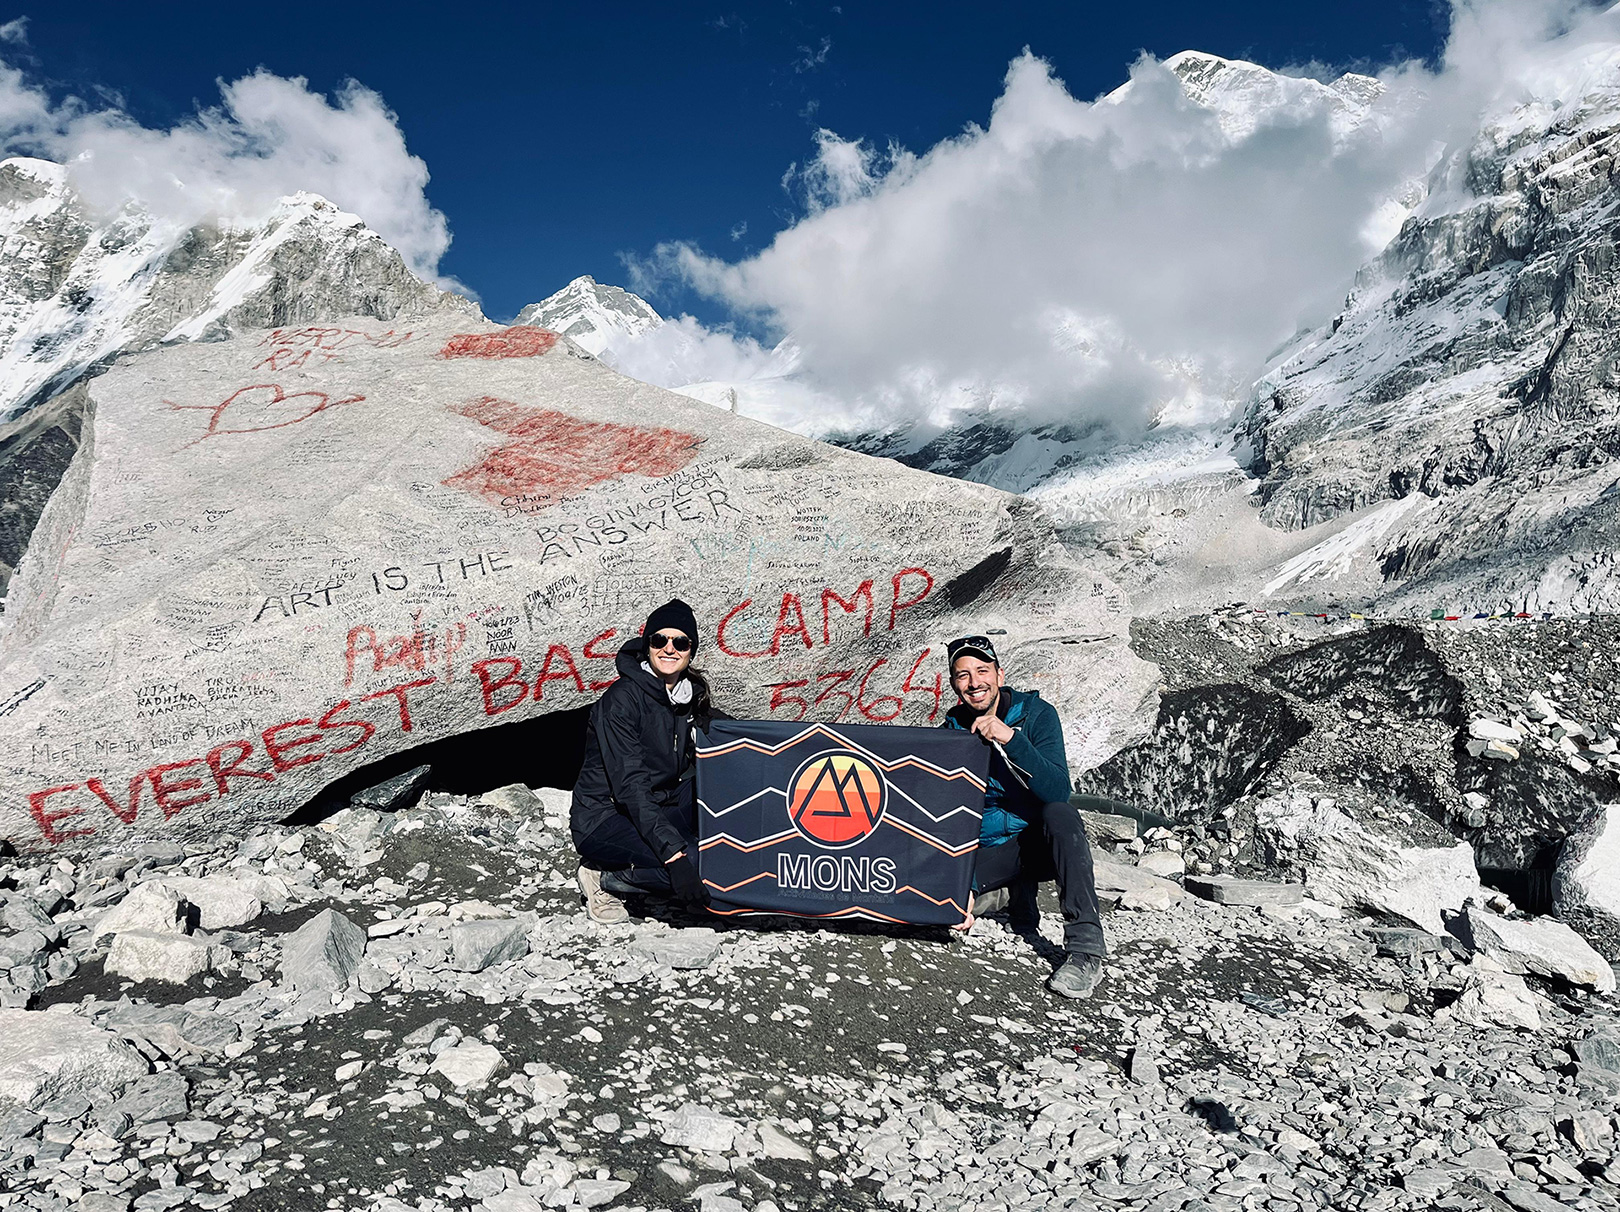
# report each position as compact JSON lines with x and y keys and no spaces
{"x":836,"y":691}
{"x":506,"y":683}
{"x":294,"y":347}
{"x":905,"y":589}
{"x":173,"y":787}
{"x":420,"y":650}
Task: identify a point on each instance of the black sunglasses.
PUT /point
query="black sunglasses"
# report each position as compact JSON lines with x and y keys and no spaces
{"x":971,"y":643}
{"x":680,"y":643}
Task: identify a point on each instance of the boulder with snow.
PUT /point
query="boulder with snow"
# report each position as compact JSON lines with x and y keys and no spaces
{"x":1541,"y":945}
{"x":1346,"y":863}
{"x":283,"y":556}
{"x":45,"y":1054}
{"x":1586,"y":880}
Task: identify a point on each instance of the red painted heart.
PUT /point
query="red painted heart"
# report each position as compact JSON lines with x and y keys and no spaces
{"x":264,"y":403}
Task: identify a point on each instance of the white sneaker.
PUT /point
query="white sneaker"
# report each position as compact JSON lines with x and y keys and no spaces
{"x":602,"y":907}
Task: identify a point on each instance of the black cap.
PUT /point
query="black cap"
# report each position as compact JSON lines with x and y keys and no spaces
{"x":673,"y":615}
{"x":971,"y":645}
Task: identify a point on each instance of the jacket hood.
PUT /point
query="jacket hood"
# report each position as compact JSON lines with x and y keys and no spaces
{"x":631,"y":655}
{"x":629,"y":662}
{"x":1024,"y":697}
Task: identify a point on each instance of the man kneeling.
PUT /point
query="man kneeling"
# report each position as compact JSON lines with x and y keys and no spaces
{"x":1030,"y":831}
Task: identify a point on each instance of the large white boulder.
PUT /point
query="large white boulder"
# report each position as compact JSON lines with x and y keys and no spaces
{"x":1493,"y":998}
{"x":1538,"y":945}
{"x":279,"y":557}
{"x":694,"y":1126}
{"x":1134,"y":887}
{"x":47,"y":1053}
{"x":1347,"y":864}
{"x":468,"y":1064}
{"x":153,"y":907}
{"x":148,"y":955}
{"x":220,"y":900}
{"x":1586,"y":881}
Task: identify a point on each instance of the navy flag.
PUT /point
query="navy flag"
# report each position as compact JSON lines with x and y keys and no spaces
{"x":839,"y":820}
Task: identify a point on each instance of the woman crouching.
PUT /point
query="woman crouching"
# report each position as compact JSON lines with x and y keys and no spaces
{"x":634,"y":818}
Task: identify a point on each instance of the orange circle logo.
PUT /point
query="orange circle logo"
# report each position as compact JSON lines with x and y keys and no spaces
{"x":836,"y":799}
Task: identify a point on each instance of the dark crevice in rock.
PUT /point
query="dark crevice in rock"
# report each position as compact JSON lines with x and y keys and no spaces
{"x":1530,"y":886}
{"x":1536,"y":388}
{"x":966,"y":588}
{"x":542,"y":752}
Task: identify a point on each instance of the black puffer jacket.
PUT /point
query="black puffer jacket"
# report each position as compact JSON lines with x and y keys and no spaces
{"x":638,"y":751}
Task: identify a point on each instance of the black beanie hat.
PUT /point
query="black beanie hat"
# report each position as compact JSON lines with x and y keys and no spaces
{"x":673,"y":615}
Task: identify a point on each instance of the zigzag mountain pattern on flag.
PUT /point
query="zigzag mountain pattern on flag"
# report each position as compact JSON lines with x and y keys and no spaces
{"x":837,"y":821}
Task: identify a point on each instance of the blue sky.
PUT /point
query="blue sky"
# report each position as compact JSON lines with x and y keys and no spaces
{"x":562,"y":136}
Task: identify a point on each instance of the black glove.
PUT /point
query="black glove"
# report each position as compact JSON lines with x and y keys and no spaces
{"x":685,"y":885}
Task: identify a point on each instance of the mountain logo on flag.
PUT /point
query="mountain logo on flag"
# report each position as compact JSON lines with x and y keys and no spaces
{"x":836,"y":799}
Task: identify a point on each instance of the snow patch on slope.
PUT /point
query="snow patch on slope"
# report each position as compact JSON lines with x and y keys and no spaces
{"x":253,"y":272}
{"x":1334,"y":557}
{"x":1102,"y":483}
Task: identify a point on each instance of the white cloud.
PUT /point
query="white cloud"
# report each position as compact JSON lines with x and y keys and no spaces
{"x":1087,"y":260}
{"x":682,"y":351}
{"x":270,"y":136}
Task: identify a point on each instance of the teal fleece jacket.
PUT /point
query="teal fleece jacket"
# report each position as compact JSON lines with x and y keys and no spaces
{"x":1040,"y":773}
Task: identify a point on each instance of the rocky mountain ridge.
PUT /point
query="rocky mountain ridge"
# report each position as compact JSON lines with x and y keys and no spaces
{"x":1242,"y":95}
{"x":1467,"y":392}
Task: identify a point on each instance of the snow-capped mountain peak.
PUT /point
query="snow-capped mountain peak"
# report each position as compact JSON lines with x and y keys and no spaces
{"x":1243,"y":95}
{"x":593,"y":315}
{"x":77,"y":287}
